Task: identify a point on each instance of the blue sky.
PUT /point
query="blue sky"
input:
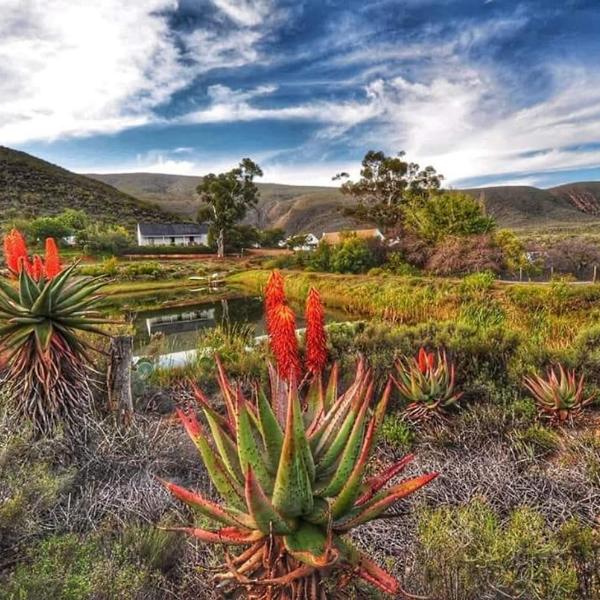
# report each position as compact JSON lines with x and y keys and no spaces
{"x":487,"y":91}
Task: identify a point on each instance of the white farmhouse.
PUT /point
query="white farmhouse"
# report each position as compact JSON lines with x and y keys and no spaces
{"x":309,"y":242}
{"x":172,"y":234}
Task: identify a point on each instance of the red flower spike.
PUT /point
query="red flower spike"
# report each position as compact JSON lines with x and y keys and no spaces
{"x":53,"y":267}
{"x":274,"y":297}
{"x":284,"y":343}
{"x":316,"y":338}
{"x":37,"y":268}
{"x":15,"y":252}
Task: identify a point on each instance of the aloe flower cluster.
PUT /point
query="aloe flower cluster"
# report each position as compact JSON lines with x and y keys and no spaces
{"x":41,"y":319}
{"x":560,"y":395}
{"x":281,"y":327}
{"x":290,"y":465}
{"x":427,"y":383}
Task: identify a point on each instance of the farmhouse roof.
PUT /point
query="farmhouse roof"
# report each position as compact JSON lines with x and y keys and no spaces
{"x":172,"y":229}
{"x":335,"y":237}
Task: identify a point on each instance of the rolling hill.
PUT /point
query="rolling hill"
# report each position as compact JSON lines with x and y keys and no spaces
{"x":317,"y":209}
{"x":30,"y":186}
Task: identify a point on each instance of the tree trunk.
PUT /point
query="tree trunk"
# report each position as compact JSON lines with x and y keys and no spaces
{"x":221,"y":243}
{"x":120,"y":398}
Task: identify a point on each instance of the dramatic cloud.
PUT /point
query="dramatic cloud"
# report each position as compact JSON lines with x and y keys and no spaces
{"x":493,"y":92}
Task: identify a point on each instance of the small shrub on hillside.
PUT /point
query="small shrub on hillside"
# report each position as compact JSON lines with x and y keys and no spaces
{"x":397,"y":432}
{"x":536,"y":441}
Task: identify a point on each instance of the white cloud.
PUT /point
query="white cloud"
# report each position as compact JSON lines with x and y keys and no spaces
{"x":248,"y":13}
{"x":72,"y":67}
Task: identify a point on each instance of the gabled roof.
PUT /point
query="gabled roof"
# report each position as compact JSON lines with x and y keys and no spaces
{"x":335,"y":237}
{"x":172,"y":229}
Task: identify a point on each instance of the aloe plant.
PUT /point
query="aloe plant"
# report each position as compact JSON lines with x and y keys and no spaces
{"x":291,"y":471}
{"x":559,"y":396}
{"x":427,"y":383}
{"x":41,"y":319}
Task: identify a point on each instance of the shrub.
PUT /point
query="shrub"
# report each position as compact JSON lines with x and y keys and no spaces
{"x":463,"y":255}
{"x":352,"y":255}
{"x":468,"y":554}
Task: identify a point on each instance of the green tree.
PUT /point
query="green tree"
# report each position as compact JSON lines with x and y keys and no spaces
{"x":76,"y":220}
{"x":447,"y":214}
{"x":227,"y":197}
{"x":352,"y":255}
{"x":270,"y":238}
{"x":45,"y":227}
{"x":320,"y":259}
{"x":386,"y":184}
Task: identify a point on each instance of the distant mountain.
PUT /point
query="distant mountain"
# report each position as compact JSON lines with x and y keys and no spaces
{"x":317,"y":209}
{"x":30,"y":186}
{"x":295,"y":208}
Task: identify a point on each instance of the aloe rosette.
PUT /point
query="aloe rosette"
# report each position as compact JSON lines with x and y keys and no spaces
{"x":291,"y":471}
{"x":427,"y":383}
{"x":41,"y":319}
{"x":560,"y":395}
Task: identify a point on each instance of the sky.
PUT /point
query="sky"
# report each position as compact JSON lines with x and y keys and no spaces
{"x":487,"y":91}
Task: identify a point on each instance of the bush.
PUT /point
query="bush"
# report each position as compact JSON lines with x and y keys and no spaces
{"x":464,"y":255}
{"x":352,"y":255}
{"x":468,"y":554}
{"x":167,"y":250}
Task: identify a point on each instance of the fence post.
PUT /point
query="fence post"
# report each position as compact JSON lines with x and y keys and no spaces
{"x":520,"y":273}
{"x":120,"y":398}
{"x":595,"y":276}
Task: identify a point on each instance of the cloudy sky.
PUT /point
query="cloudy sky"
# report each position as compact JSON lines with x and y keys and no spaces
{"x":486,"y":91}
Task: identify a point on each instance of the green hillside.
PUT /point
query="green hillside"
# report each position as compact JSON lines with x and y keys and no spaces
{"x":30,"y":186}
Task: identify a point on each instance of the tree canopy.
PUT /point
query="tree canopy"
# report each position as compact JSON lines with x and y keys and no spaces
{"x":227,"y":198}
{"x":386,"y":184}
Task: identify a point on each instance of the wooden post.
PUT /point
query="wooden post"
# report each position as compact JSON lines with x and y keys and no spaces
{"x":520,"y":273}
{"x":595,"y":277}
{"x":120,"y":398}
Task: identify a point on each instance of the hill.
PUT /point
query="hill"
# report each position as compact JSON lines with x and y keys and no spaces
{"x":316,"y":209}
{"x":292,"y":207}
{"x":30,"y":186}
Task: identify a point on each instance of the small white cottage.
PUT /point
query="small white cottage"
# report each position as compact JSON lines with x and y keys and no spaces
{"x":172,"y":234}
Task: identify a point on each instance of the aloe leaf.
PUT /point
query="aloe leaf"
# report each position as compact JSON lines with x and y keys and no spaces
{"x":229,"y":490}
{"x":292,"y":493}
{"x":227,"y":535}
{"x":270,"y":430}
{"x":310,"y":545}
{"x":267,"y":518}
{"x":249,"y":451}
{"x":208,"y":508}
{"x":225,"y":445}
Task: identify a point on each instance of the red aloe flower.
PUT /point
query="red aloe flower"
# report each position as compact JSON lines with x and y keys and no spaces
{"x":316,"y":338}
{"x":274,"y":297}
{"x":15,"y":251}
{"x":425,"y":360}
{"x":37,"y":268}
{"x":284,"y":342}
{"x":53,"y":267}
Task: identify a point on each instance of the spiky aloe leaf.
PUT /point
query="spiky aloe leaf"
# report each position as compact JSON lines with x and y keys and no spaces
{"x":271,"y":432}
{"x":292,"y":494}
{"x":250,"y":453}
{"x":231,"y":517}
{"x":382,"y":501}
{"x":311,"y":545}
{"x":374,"y":484}
{"x":267,"y":518}
{"x":225,"y":445}
{"x":227,"y":535}
{"x":229,"y":489}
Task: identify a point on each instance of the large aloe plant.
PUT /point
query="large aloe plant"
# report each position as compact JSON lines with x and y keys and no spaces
{"x":41,"y":319}
{"x":291,"y":471}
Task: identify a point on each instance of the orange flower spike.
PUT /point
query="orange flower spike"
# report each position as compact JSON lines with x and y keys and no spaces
{"x":53,"y":267}
{"x":15,"y":250}
{"x":37,"y":268}
{"x":274,"y":297}
{"x":422,"y":360}
{"x":284,"y":342}
{"x":316,"y":338}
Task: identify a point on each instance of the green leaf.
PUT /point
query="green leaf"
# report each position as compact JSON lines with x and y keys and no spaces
{"x":225,"y":445}
{"x":310,"y":545}
{"x":249,"y":451}
{"x":292,"y":494}
{"x":270,"y":430}
{"x":267,"y":518}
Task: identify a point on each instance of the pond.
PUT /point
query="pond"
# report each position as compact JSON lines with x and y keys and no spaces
{"x":179,"y":326}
